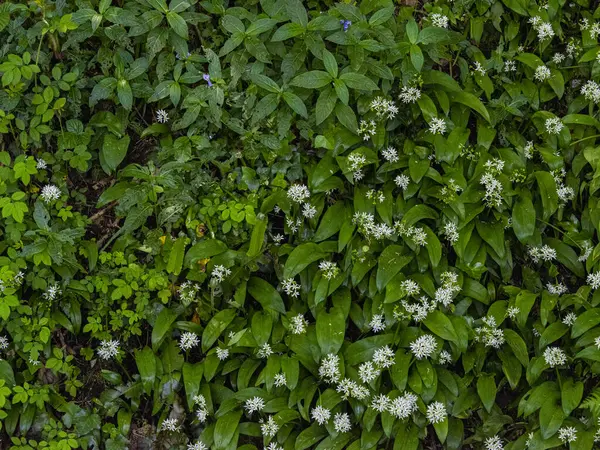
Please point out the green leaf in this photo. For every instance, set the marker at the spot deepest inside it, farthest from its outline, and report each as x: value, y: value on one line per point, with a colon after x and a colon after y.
x: 258, y: 237
x: 289, y: 30
x: 266, y: 295
x: 391, y: 261
x: 114, y: 151
x: 312, y: 80
x: 571, y: 395
x: 204, y: 249
x: 441, y: 430
x: 412, y: 31
x: 178, y: 24
x: 192, y: 376
x: 486, y: 388
x: 225, y: 429
x: 325, y: 104
x: 331, y: 65
x: 471, y: 101
x: 547, y: 187
x: 523, y: 217
x: 265, y: 82
x: 296, y: 103
x: 585, y: 322
x: 332, y: 221
x: 331, y: 329
x: 416, y: 57
x: 146, y: 364
x: 233, y: 24
x: 310, y: 436
x: 216, y: 326
x: 551, y: 419
x: 176, y: 256
x: 162, y: 325
x: 517, y: 345
x: 358, y: 81
x: 260, y: 26
x: 300, y: 258
x: 440, y: 325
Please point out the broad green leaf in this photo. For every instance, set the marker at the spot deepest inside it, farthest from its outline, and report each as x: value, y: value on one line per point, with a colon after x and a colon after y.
x: 176, y: 256
x: 216, y: 326
x: 266, y: 295
x: 331, y: 328
x: 301, y: 257
x: 146, y: 365
x: 486, y: 388
x: 162, y: 326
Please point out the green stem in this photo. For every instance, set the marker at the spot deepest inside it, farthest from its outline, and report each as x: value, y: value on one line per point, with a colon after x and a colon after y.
x: 584, y: 139
x: 560, y: 231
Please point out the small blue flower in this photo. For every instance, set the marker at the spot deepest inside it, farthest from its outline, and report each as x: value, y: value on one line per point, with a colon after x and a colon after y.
x: 206, y: 78
x: 346, y: 24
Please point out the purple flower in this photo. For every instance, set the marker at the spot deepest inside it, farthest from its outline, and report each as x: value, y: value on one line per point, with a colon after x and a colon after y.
x: 206, y: 78
x: 346, y: 24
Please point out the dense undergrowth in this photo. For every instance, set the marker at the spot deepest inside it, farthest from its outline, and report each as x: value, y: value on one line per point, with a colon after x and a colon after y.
x: 288, y: 225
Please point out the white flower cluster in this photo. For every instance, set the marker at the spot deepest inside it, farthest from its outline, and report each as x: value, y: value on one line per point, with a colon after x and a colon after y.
x: 544, y: 253
x: 367, y: 372
x: 424, y: 346
x: 384, y: 357
x: 329, y: 369
x: 222, y: 353
x: 350, y: 388
x: 402, y: 181
x: 436, y: 412
x: 309, y: 211
x: 356, y: 161
x: 445, y: 294
x: 558, y: 58
x: 445, y: 357
x: 367, y: 226
x: 493, y: 443
x: 320, y: 414
x: 437, y: 126
x: 390, y: 154
x: 280, y: 380
x: 108, y: 349
x: 264, y: 351
x: 409, y: 94
x: 298, y: 324
x: 169, y: 425
x: 591, y: 91
x: 219, y: 273
x: 489, y: 334
x: 544, y: 29
x: 341, y: 423
x: 383, y: 107
x: 270, y: 427
x: 439, y: 20
x: 187, y: 292
x: 587, y: 251
x: 403, y: 406
x: 528, y: 150
x: 52, y: 292
x: 512, y: 312
x: 50, y: 192
x: 567, y: 434
x: 254, y: 404
x: 556, y: 289
x: 593, y: 279
x: 376, y: 196
x: 417, y: 234
x: 162, y: 116
x: 418, y: 310
x: 542, y: 73
x: 569, y: 319
x: 188, y: 341
x: 293, y: 225
x: 290, y: 287
x: 377, y: 323
x: 554, y: 356
x: 493, y: 190
x: 554, y: 125
x: 202, y: 410
x: 197, y: 446
x: 510, y: 66
x: 367, y: 129
x: 298, y: 193
x: 451, y: 232
x: 330, y: 269
x: 3, y: 343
